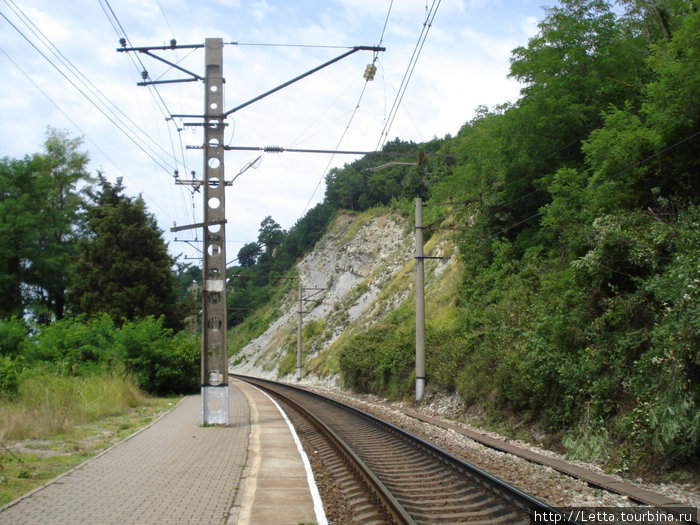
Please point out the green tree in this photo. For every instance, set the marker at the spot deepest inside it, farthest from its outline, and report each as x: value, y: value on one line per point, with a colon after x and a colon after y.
x: 270, y: 234
x: 123, y: 267
x: 248, y: 254
x: 41, y: 211
x: 19, y: 222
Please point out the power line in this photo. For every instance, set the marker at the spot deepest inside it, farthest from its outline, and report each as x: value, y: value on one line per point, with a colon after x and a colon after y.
x: 313, y: 46
x: 160, y: 102
x: 80, y: 78
x: 354, y: 112
x: 113, y: 118
x: 67, y: 116
x: 430, y: 17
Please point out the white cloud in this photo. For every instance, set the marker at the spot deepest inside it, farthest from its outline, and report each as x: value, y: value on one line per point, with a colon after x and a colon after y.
x: 464, y: 64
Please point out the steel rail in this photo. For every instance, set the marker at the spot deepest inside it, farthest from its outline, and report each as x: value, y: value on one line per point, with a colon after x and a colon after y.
x: 351, y: 460
x: 506, y: 491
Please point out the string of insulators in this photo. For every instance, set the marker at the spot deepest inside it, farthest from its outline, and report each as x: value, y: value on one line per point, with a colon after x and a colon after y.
x: 370, y: 71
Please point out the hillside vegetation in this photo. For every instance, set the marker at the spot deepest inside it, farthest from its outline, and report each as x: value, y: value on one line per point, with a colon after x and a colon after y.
x: 577, y: 307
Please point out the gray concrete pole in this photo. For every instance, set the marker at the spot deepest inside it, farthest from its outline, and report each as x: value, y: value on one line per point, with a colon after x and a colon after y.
x: 214, y: 352
x: 420, y: 303
x: 299, y: 320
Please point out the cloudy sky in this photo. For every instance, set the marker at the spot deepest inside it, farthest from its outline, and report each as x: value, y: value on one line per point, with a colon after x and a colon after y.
x: 61, y: 69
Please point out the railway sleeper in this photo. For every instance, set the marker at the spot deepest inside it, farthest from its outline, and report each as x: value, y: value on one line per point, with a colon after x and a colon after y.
x: 463, y: 496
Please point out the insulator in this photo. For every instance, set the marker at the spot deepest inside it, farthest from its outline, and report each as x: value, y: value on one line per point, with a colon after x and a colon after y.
x: 273, y: 149
x: 122, y: 41
x: 370, y: 71
x: 173, y: 43
x: 144, y: 74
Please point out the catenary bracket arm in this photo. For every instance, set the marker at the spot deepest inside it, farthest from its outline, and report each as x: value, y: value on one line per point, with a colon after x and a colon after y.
x: 310, y: 72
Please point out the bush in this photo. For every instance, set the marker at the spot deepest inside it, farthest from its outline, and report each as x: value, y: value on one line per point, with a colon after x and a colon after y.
x: 77, y: 344
x: 9, y: 375
x: 380, y: 360
x: 14, y: 334
x: 160, y: 362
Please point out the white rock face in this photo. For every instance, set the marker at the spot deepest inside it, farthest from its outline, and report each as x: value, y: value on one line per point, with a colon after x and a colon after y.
x: 370, y: 258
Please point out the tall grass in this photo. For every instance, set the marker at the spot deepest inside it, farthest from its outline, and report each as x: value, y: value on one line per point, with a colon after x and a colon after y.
x: 48, y: 403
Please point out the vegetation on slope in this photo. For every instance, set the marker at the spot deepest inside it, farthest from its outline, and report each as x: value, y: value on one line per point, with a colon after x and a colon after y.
x: 578, y: 307
x: 578, y: 304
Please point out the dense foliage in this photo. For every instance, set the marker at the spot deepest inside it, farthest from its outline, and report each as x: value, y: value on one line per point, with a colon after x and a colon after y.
x: 68, y: 249
x: 159, y: 361
x: 41, y: 208
x: 124, y: 267
x: 580, y: 299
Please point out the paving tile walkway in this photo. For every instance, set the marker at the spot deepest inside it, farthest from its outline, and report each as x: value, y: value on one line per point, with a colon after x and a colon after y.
x: 173, y: 472
x: 279, y: 488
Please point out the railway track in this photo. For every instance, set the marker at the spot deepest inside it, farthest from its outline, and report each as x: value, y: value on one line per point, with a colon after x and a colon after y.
x: 386, y: 475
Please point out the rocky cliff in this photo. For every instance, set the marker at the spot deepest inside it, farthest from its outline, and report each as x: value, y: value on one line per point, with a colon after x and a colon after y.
x: 360, y: 270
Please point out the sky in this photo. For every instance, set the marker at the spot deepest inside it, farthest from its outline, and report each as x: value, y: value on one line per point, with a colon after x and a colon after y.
x: 61, y: 69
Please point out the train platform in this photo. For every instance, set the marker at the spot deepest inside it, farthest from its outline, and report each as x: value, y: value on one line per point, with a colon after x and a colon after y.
x: 175, y: 471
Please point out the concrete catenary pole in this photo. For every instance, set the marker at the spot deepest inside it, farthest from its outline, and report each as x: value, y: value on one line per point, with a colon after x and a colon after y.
x: 299, y: 320
x: 420, y: 303
x: 214, y: 345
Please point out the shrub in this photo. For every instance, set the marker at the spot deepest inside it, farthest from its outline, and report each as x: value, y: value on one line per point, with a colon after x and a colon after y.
x: 160, y: 362
x: 14, y: 334
x: 380, y: 360
x: 9, y: 375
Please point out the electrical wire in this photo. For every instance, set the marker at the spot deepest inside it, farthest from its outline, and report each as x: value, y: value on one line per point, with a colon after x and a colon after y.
x: 92, y: 93
x: 160, y: 102
x: 79, y: 77
x: 430, y: 17
x: 113, y: 118
x: 286, y: 45
x: 352, y: 116
x: 67, y: 116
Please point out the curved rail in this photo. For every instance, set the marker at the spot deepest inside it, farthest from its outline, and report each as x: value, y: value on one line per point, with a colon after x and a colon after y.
x: 415, y: 481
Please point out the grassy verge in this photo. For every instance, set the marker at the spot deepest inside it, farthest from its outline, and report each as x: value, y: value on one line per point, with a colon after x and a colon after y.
x: 56, y: 422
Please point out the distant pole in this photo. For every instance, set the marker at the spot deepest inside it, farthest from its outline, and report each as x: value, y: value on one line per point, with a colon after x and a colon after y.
x: 420, y: 303
x: 299, y: 319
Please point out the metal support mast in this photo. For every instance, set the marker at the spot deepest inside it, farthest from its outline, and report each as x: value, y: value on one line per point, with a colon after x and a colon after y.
x: 214, y: 375
x: 420, y: 303
x: 420, y: 281
x: 214, y: 345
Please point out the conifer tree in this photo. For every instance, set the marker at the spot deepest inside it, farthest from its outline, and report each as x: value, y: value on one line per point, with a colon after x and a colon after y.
x: 123, y: 266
